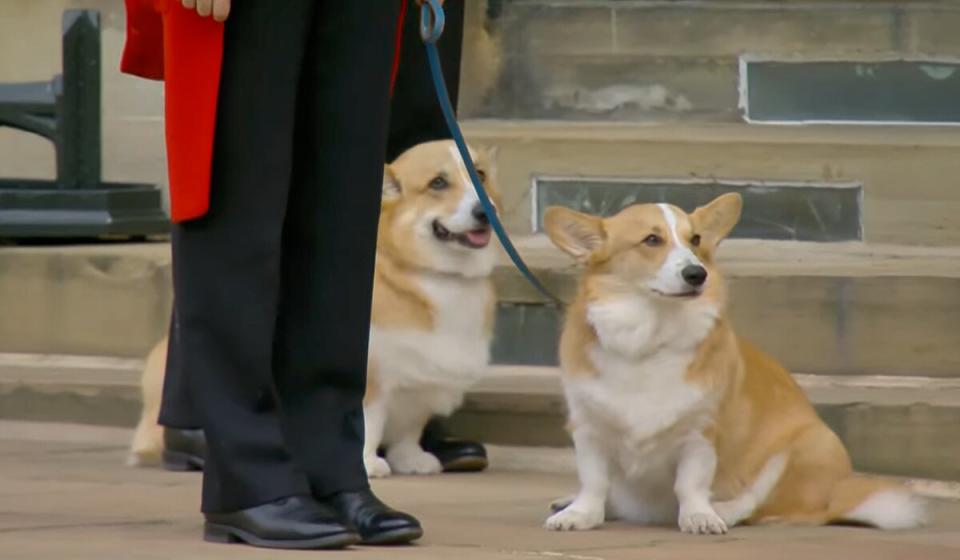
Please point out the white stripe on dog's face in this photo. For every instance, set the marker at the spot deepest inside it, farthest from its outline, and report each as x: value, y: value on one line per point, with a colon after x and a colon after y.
x: 669, y: 279
x: 462, y: 219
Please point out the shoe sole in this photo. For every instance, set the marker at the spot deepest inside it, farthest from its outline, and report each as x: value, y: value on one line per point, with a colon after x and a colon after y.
x: 182, y: 462
x: 225, y: 534
x: 466, y: 464
x: 397, y: 536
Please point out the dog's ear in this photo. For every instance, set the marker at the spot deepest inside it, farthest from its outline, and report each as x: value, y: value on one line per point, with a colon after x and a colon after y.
x: 579, y: 235
x: 486, y: 158
x: 716, y: 220
x: 391, y: 185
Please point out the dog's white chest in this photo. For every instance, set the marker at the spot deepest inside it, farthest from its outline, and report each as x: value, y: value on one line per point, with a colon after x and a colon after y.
x: 638, y: 399
x: 454, y: 353
x: 642, y: 412
x: 459, y: 304
x: 640, y: 402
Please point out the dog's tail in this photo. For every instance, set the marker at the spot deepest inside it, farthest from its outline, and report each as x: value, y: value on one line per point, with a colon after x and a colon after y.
x: 146, y: 447
x: 876, y: 502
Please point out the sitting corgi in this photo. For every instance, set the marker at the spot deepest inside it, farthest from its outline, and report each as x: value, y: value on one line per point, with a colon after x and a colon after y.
x: 674, y: 418
x: 433, y: 301
x: 433, y: 310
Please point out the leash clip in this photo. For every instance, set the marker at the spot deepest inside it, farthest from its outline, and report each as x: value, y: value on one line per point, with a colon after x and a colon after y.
x: 432, y: 20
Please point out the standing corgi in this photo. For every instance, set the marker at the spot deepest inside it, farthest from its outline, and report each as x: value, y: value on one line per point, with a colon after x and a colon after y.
x: 433, y: 310
x: 674, y: 418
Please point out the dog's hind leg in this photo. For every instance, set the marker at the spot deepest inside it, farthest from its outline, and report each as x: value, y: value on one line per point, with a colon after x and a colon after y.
x: 146, y: 447
x: 739, y: 509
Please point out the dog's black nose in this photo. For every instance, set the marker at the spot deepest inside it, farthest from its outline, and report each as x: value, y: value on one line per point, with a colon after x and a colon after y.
x: 479, y: 214
x: 694, y: 274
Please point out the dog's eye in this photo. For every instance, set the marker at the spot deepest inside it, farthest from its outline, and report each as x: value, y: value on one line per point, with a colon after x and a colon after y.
x: 653, y: 240
x: 439, y: 183
x: 482, y: 174
x: 695, y: 240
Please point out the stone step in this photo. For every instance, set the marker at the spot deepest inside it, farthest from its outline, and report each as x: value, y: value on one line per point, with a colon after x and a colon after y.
x: 830, y: 308
x: 617, y: 87
x: 907, y: 426
x: 95, y: 390
x: 634, y: 60
x: 102, y: 300
x: 904, y: 174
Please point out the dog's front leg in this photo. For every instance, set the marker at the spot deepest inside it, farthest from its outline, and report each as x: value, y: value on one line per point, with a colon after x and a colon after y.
x: 593, y: 467
x: 695, y: 471
x: 404, y: 452
x: 374, y: 420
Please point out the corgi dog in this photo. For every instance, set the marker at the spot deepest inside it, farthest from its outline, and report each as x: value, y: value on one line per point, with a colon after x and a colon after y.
x: 433, y: 301
x: 433, y: 309
x: 674, y: 418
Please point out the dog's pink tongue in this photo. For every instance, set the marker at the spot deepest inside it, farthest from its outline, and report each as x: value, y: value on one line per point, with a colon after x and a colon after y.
x: 478, y: 237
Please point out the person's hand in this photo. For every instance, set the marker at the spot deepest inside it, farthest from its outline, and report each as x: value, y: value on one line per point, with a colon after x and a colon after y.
x: 219, y: 9
x: 420, y: 2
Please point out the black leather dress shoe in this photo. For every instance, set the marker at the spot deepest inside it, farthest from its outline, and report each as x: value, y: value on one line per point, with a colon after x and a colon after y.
x: 296, y: 522
x: 376, y: 522
x: 456, y: 455
x: 184, y: 450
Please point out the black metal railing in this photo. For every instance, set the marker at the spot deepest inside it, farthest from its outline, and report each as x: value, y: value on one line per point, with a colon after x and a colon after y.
x: 66, y: 111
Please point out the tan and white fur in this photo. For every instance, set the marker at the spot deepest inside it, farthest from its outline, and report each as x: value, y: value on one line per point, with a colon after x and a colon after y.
x: 674, y: 418
x: 433, y: 302
x: 146, y: 448
x: 433, y: 310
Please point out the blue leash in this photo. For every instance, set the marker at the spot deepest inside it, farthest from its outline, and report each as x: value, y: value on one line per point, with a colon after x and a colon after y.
x: 431, y: 28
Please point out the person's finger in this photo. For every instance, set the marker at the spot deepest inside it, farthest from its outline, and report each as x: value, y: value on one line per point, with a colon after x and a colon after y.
x: 189, y: 4
x: 221, y: 9
x: 204, y: 7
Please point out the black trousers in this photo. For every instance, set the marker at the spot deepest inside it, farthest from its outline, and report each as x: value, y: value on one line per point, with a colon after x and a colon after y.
x: 273, y: 286
x: 415, y: 118
x: 415, y: 115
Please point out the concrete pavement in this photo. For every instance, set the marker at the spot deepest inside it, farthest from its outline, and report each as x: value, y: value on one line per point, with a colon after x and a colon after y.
x: 65, y: 494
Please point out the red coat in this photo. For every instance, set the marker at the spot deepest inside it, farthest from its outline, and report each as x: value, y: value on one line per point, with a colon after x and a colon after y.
x: 167, y: 42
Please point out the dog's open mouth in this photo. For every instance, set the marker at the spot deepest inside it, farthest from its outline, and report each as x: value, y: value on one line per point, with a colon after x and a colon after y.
x: 475, y: 238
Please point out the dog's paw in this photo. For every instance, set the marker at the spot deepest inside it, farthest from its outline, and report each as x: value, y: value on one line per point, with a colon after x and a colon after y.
x: 377, y: 467
x: 133, y: 460
x: 574, y: 520
x: 414, y: 462
x: 701, y: 522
